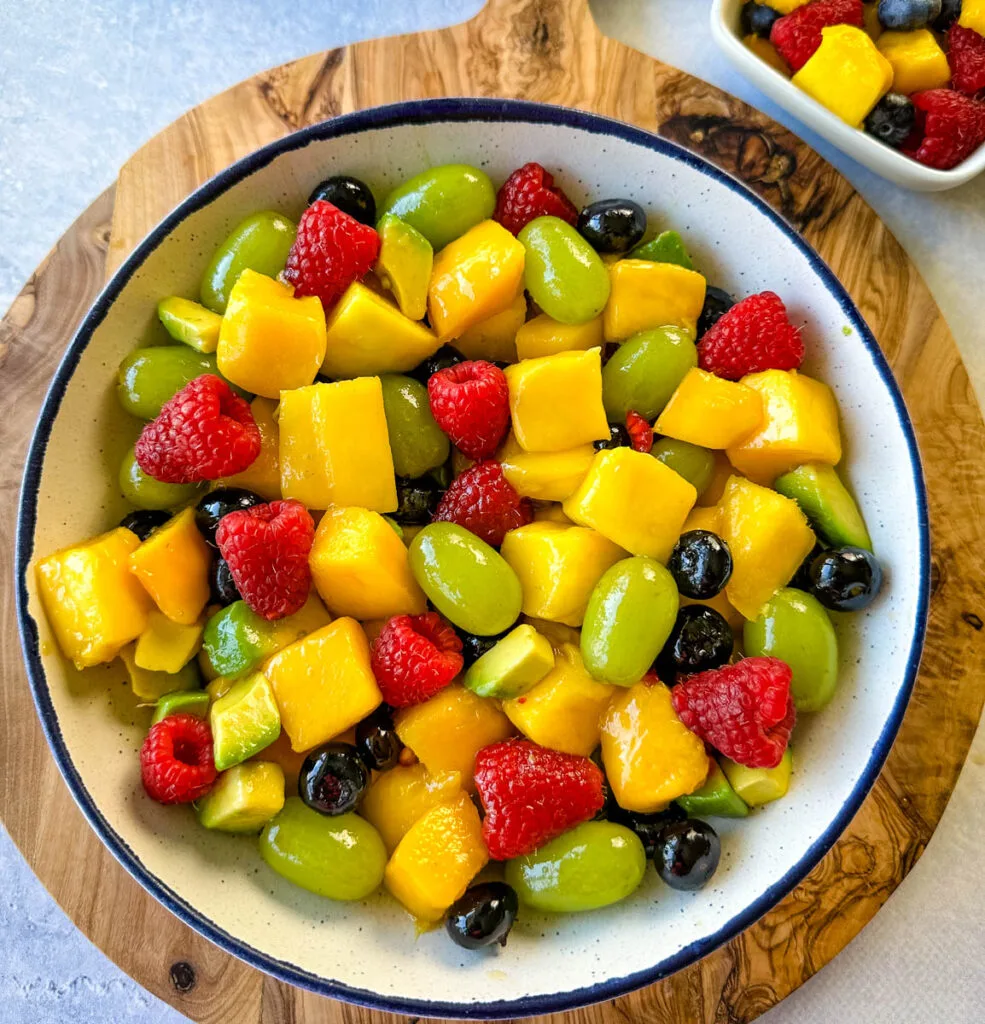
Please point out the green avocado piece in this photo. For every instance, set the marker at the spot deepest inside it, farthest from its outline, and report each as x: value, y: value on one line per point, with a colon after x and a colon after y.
x: 190, y: 323
x: 758, y: 786
x: 667, y: 247
x: 183, y: 702
x: 827, y: 503
x: 512, y: 666
x: 716, y: 798
x: 404, y: 264
x: 244, y: 721
x: 244, y: 798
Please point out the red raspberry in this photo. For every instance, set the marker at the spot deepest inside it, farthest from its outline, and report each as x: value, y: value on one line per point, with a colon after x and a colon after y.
x: 204, y: 432
x: 176, y: 762
x: 745, y: 711
x: 471, y: 403
x: 754, y: 335
x: 414, y: 657
x: 640, y: 432
x: 482, y: 500
x: 951, y: 127
x: 267, y: 549
x: 531, y: 795
x: 798, y: 34
x: 528, y: 193
x: 966, y: 55
x: 331, y: 251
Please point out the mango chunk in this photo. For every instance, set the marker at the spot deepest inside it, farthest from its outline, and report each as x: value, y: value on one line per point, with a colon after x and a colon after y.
x: 323, y: 683
x: 785, y: 6
x: 263, y: 474
x: 474, y: 277
x: 724, y: 470
x: 397, y: 798
x: 149, y: 685
x: 973, y: 15
x: 360, y: 567
x: 94, y: 605
x: 703, y: 519
x: 917, y: 59
x: 544, y: 336
x: 800, y: 424
x: 634, y: 500
x: 288, y: 760
x: 165, y: 645
x: 495, y: 338
x: 334, y: 446
x: 644, y: 294
x: 435, y: 861
x: 708, y: 411
x: 542, y: 421
x: 173, y: 566
x: 547, y: 476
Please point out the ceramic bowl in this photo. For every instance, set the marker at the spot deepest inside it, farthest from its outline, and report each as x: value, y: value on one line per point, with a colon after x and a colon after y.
x: 367, y: 952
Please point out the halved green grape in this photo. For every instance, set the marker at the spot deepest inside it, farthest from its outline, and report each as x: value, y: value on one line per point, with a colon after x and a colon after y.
x: 416, y: 441
x: 695, y: 464
x: 645, y: 370
x: 143, y: 491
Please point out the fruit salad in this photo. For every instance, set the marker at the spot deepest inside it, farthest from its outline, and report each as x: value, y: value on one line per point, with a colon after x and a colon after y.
x: 910, y: 73
x: 480, y: 550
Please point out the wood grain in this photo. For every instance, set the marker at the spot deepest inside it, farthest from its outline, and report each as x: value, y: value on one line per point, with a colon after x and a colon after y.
x: 543, y: 50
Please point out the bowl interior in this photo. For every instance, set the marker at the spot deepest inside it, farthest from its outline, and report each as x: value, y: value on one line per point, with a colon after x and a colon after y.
x: 367, y: 951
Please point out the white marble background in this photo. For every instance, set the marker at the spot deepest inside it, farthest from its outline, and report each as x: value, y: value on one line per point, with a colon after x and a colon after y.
x: 85, y: 82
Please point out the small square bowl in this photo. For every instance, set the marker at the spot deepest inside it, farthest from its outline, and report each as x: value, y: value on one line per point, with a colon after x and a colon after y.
x: 878, y: 157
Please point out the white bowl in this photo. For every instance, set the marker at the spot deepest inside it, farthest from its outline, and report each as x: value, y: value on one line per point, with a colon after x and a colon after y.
x: 878, y: 157
x: 367, y: 952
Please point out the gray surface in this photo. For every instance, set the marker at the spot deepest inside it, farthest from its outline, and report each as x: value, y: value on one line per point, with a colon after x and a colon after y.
x: 70, y: 114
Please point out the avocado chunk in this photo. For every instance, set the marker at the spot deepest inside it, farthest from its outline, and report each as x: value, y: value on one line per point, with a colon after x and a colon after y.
x: 244, y: 721
x: 404, y: 264
x: 715, y: 798
x: 244, y: 798
x: 758, y: 786
x: 827, y: 503
x: 667, y: 247
x: 148, y: 684
x: 512, y: 666
x: 184, y: 702
x: 190, y: 323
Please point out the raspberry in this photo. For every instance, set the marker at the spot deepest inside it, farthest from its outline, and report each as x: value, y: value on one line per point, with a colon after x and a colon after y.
x: 745, y: 711
x: 471, y: 403
x: 952, y: 127
x: 531, y: 795
x: 176, y: 762
x: 640, y: 432
x: 530, y: 192
x: 204, y: 432
x: 482, y: 500
x: 414, y: 657
x: 798, y: 34
x: 331, y: 251
x: 267, y: 549
x: 754, y: 335
x: 966, y: 55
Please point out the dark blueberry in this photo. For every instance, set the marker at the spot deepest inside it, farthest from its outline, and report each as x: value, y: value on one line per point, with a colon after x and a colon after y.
x: 219, y: 503
x: 687, y: 854
x: 717, y: 303
x: 416, y: 500
x: 701, y: 564
x: 221, y: 584
x: 757, y: 19
x: 612, y: 225
x: 699, y: 640
x: 483, y: 915
x: 333, y: 778
x: 350, y: 195
x: 377, y: 740
x: 445, y: 356
x: 648, y: 827
x: 473, y: 647
x: 802, y: 577
x: 950, y: 12
x: 892, y: 119
x: 618, y: 438
x: 845, y: 579
x: 144, y: 522
x: 908, y: 15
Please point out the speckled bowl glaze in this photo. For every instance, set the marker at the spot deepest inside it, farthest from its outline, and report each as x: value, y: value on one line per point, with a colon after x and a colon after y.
x: 367, y: 952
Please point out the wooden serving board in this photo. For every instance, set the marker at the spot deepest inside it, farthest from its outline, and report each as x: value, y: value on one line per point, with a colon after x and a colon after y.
x: 549, y: 51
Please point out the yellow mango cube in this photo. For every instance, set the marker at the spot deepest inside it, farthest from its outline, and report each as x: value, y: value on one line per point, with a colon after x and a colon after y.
x: 323, y: 683
x: 724, y: 470
x: 644, y: 294
x: 846, y: 74
x: 700, y: 518
x: 435, y: 861
x: 768, y: 536
x: 552, y: 513
x: 711, y: 412
x: 556, y: 401
x: 360, y: 567
x: 650, y: 756
x: 785, y: 6
x: 447, y: 731
x: 558, y: 567
x: 800, y: 424
x: 563, y: 711
x: 94, y: 605
x: 165, y: 645
x: 634, y: 500
x: 173, y: 565
x: 544, y: 336
x: 495, y: 337
x: 270, y: 341
x: 148, y: 685
x: 397, y: 798
x: 335, y: 448
x: 973, y: 15
x: 263, y: 474
x: 366, y: 334
x: 547, y: 476
x: 916, y: 57
x: 474, y: 277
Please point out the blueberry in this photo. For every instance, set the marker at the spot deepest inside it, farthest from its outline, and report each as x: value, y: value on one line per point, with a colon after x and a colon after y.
x: 892, y: 119
x: 221, y: 584
x: 445, y: 356
x: 219, y: 503
x: 350, y: 195
x: 700, y: 639
x: 687, y: 854
x: 333, y: 778
x: 144, y: 522
x: 612, y: 225
x: 648, y: 827
x: 950, y: 12
x: 802, y: 577
x: 483, y: 915
x: 845, y: 579
x: 377, y: 740
x: 717, y: 303
x: 416, y: 500
x: 701, y: 564
x: 757, y: 19
x: 473, y: 647
x: 908, y: 15
x: 618, y: 438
